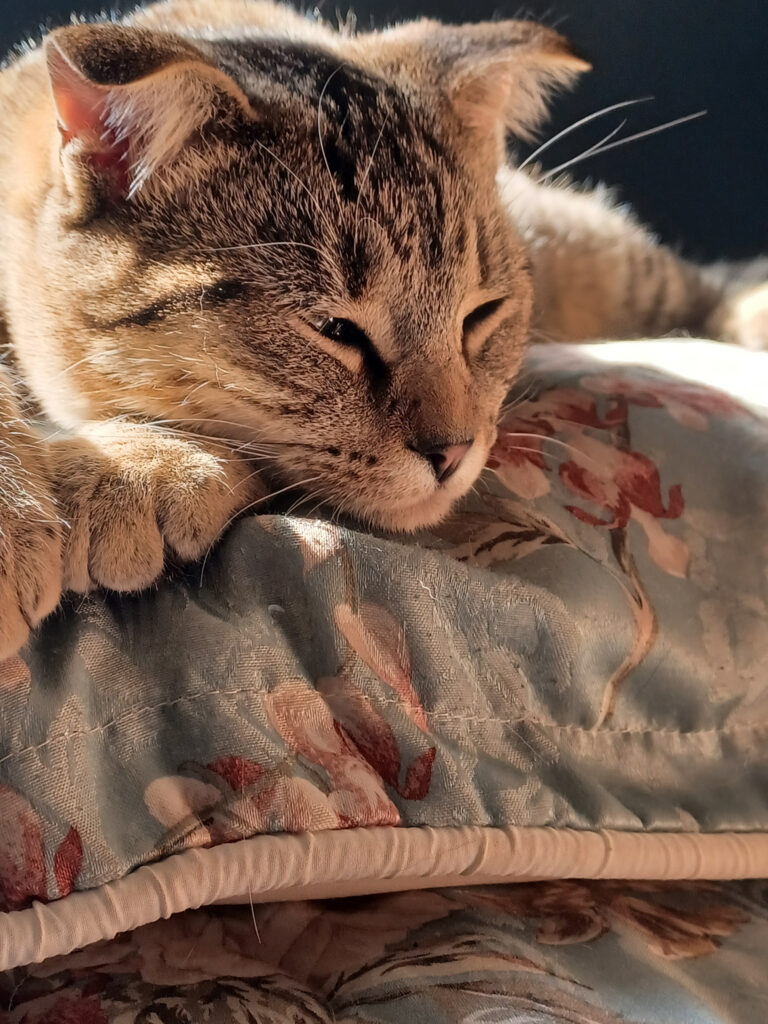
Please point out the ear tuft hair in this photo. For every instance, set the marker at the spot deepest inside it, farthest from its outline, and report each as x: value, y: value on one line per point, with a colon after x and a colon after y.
x: 129, y: 99
x: 497, y: 76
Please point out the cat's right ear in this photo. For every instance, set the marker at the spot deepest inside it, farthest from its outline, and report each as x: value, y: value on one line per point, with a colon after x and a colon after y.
x: 128, y: 102
x: 497, y: 77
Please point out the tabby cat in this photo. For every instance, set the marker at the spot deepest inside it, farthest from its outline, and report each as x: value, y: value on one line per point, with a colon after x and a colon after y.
x: 244, y: 252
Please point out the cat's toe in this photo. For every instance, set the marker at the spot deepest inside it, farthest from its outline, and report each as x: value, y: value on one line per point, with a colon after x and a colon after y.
x: 196, y: 502
x: 133, y: 495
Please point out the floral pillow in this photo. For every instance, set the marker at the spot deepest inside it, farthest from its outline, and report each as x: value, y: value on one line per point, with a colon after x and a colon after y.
x: 570, y: 675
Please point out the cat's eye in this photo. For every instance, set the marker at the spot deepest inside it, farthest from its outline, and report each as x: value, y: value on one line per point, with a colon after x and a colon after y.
x: 352, y: 345
x: 478, y: 325
x: 344, y: 332
x: 480, y: 315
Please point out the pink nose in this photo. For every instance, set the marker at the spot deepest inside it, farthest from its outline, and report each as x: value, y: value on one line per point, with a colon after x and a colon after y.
x: 444, y: 458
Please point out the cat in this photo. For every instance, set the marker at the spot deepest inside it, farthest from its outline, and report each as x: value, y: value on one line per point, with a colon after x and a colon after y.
x: 244, y: 252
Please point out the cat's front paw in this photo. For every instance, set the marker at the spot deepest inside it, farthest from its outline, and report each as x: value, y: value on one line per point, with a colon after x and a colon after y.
x: 30, y: 540
x: 134, y: 494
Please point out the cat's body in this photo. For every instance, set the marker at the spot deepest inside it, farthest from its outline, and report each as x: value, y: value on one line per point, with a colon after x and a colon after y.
x: 244, y: 252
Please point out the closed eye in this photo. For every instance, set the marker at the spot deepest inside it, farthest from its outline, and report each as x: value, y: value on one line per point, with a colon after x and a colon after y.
x: 352, y: 338
x: 482, y: 313
x: 199, y: 299
x: 344, y: 332
x: 478, y: 325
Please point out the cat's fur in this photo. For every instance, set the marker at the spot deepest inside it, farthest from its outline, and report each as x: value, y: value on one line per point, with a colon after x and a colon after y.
x: 186, y: 196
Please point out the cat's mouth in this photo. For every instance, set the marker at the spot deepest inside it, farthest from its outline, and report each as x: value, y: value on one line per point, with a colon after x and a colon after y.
x: 398, y: 493
x: 409, y: 514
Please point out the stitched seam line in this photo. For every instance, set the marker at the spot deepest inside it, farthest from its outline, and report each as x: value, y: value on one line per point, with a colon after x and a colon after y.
x: 431, y: 716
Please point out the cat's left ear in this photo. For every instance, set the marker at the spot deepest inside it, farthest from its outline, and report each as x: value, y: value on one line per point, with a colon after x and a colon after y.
x: 497, y: 76
x: 128, y: 101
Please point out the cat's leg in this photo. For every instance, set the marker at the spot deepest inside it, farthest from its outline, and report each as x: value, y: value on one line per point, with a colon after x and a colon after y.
x: 30, y: 529
x: 599, y: 274
x: 133, y: 494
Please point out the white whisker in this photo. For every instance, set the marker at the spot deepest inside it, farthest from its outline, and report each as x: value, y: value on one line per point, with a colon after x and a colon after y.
x: 248, y: 508
x: 577, y: 124
x: 555, y: 440
x: 270, y: 245
x: 328, y: 81
x: 365, y: 178
x: 621, y: 142
x: 295, y: 176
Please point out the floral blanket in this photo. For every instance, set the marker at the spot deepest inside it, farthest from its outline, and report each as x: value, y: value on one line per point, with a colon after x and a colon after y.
x: 547, y: 953
x: 568, y: 680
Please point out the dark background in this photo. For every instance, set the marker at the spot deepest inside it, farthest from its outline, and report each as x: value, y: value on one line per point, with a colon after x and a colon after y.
x: 702, y: 185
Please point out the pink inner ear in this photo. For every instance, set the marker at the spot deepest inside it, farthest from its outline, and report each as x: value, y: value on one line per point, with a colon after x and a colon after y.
x: 82, y: 109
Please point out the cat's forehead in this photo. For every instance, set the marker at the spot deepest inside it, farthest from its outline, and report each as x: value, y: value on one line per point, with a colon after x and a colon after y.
x: 337, y: 160
x: 271, y: 71
x: 360, y: 130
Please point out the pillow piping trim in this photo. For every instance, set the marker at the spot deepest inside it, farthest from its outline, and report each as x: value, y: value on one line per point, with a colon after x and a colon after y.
x: 359, y: 861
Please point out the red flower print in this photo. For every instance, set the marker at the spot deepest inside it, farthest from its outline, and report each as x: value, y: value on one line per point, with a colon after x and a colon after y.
x: 239, y: 772
x: 519, y: 462
x: 22, y: 856
x: 306, y: 723
x: 374, y: 738
x: 67, y: 862
x: 688, y: 403
x: 419, y: 776
x: 624, y: 484
x: 561, y: 407
x: 635, y: 482
x: 379, y: 641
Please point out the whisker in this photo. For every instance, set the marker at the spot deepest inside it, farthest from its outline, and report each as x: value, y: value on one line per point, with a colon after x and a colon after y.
x: 306, y: 498
x: 577, y: 124
x: 556, y: 440
x: 527, y: 451
x: 328, y: 81
x: 527, y: 393
x: 295, y: 176
x: 195, y: 389
x: 621, y: 142
x: 270, y: 245
x: 365, y: 178
x: 594, y: 148
x: 316, y: 507
x: 247, y: 508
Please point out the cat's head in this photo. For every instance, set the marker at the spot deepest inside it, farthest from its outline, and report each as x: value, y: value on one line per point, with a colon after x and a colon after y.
x: 295, y: 241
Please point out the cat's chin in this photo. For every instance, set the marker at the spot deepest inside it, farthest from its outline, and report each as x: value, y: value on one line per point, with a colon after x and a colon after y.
x: 422, y: 514
x: 408, y: 519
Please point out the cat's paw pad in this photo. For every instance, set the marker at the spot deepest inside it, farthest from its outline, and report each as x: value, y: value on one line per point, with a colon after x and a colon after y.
x: 133, y: 495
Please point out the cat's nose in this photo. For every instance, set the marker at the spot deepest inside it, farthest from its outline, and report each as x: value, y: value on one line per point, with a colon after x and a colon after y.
x: 445, y: 457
